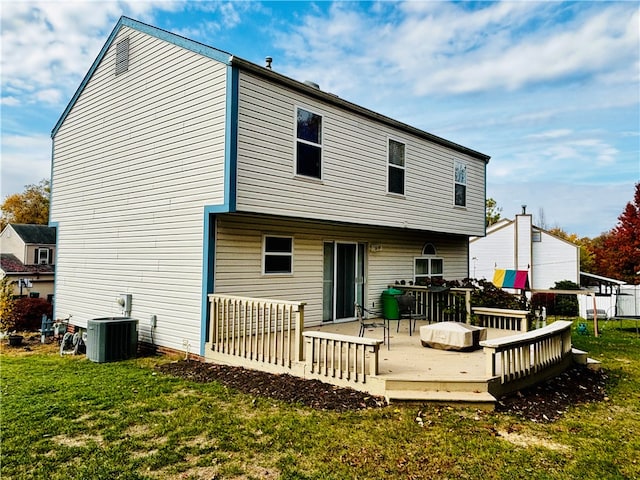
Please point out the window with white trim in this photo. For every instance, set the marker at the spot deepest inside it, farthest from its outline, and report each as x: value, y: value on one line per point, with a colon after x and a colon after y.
x: 42, y: 256
x: 308, y: 144
x: 396, y: 169
x: 277, y: 255
x: 427, y: 268
x: 460, y: 179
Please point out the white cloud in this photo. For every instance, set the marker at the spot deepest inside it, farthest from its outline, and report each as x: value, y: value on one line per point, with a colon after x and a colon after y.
x: 10, y: 101
x: 435, y: 47
x: 550, y: 134
x: 48, y: 46
x: 25, y: 160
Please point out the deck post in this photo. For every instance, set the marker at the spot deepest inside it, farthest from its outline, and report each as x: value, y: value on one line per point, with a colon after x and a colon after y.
x: 373, y: 360
x: 467, y: 305
x: 299, y: 346
x: 490, y: 359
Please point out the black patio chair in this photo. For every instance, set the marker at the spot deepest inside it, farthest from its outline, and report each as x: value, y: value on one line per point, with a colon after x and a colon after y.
x: 368, y: 319
x: 407, y: 307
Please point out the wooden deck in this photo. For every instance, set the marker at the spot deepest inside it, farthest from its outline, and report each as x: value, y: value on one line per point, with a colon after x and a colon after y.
x: 416, y: 373
x: 269, y: 335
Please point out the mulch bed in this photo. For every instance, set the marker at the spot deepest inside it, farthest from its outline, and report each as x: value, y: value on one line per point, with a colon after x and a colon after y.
x: 545, y: 402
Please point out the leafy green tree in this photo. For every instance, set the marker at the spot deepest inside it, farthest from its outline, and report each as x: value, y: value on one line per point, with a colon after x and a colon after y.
x: 492, y: 212
x: 30, y: 206
x: 586, y: 244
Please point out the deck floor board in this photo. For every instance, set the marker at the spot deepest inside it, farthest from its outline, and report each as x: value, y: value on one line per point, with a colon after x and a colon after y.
x: 407, y: 359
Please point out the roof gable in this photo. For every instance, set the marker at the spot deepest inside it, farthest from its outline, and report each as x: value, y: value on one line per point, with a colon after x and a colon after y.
x: 173, y: 38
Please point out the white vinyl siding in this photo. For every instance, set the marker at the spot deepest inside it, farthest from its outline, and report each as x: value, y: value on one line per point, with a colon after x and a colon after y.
x: 239, y: 245
x: 135, y: 162
x: 554, y: 260
x: 510, y: 246
x: 354, y: 168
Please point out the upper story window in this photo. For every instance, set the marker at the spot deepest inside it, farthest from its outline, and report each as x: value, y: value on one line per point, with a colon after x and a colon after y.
x: 277, y: 255
x: 395, y: 182
x: 308, y: 144
x: 122, y: 56
x: 460, y: 178
x: 42, y: 256
x: 536, y: 236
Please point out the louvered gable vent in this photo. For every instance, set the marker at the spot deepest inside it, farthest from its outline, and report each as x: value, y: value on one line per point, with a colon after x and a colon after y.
x: 122, y: 56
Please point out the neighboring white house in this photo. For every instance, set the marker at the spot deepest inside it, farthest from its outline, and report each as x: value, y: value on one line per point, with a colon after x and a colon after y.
x: 519, y: 245
x: 180, y: 170
x: 27, y: 257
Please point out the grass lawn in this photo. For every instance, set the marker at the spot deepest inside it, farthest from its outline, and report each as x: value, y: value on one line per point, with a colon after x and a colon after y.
x: 69, y: 418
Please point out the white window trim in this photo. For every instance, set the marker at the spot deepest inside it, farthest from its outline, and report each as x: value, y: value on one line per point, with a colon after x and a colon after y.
x: 430, y: 275
x: 466, y: 183
x: 404, y: 167
x: 265, y: 253
x: 46, y: 260
x: 296, y: 140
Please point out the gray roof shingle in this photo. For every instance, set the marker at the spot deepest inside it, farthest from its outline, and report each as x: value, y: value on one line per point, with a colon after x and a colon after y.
x: 35, y: 234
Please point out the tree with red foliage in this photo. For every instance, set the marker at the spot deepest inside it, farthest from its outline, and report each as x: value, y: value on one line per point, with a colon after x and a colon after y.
x: 618, y: 255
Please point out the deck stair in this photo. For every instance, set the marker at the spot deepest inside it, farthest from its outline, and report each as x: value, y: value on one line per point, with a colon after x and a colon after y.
x: 459, y: 392
x: 581, y: 358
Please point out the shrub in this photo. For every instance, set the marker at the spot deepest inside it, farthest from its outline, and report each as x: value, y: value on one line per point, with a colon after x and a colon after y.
x: 27, y: 313
x: 566, y: 304
x: 7, y: 304
x: 486, y: 294
x: 558, y: 303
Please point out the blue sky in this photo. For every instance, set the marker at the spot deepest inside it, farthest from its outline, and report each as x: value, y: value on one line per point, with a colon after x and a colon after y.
x: 550, y: 90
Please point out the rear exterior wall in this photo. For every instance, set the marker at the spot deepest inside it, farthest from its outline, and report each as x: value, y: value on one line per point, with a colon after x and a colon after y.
x: 134, y: 163
x: 239, y: 258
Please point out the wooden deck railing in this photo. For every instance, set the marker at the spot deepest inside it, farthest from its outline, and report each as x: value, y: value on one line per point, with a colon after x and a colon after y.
x: 450, y: 305
x: 500, y: 318
x: 262, y: 330
x: 341, y: 356
x: 529, y: 356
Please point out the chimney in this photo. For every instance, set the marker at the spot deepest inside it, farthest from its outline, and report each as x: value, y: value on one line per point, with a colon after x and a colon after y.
x: 524, y: 209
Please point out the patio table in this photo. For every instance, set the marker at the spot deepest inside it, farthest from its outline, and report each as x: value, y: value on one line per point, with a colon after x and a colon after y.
x: 452, y: 336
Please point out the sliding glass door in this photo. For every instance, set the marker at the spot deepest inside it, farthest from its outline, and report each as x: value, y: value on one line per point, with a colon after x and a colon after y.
x: 344, y: 270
